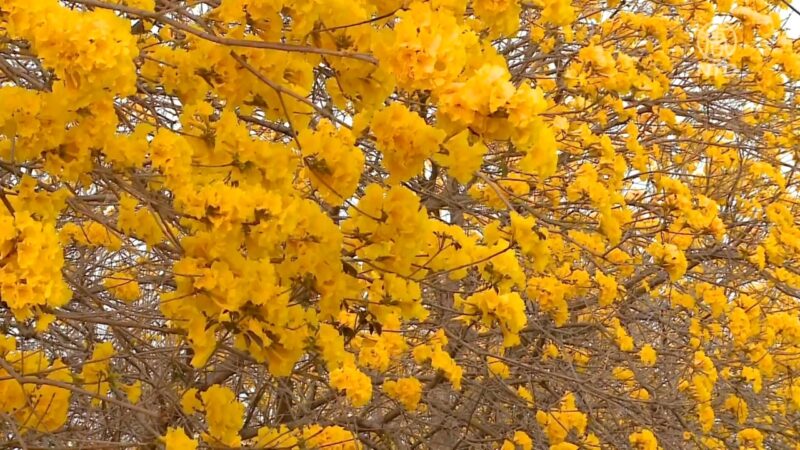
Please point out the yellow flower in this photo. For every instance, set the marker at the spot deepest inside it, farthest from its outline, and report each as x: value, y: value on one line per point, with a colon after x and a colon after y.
x: 520, y: 441
x: 356, y: 385
x: 44, y: 321
x: 407, y: 391
x: 133, y: 391
x: 190, y: 402
x: 498, y: 367
x: 224, y: 415
x: 525, y: 394
x: 508, y: 310
x: 334, y: 162
x: 750, y: 438
x: 559, y: 423
x: 176, y: 439
x: 462, y: 158
x: 671, y: 257
x: 737, y: 406
x: 608, y: 289
x: 643, y: 440
x: 564, y: 446
x: 123, y: 285
x: 333, y: 438
x: 648, y: 355
x: 503, y: 16
x: 558, y: 12
x: 140, y: 223
x: 427, y: 48
x: 405, y: 140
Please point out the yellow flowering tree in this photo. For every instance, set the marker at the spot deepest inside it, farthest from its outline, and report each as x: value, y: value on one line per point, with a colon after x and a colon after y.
x: 397, y: 224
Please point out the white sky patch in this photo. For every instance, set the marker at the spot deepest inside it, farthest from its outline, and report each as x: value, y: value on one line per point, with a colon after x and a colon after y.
x: 792, y: 20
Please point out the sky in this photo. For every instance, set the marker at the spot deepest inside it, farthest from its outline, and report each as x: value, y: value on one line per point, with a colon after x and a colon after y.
x: 793, y: 22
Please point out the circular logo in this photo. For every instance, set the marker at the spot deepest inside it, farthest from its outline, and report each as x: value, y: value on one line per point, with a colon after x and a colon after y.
x: 716, y: 41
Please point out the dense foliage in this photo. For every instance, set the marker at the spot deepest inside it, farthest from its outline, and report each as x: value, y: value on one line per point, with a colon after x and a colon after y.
x: 399, y: 224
